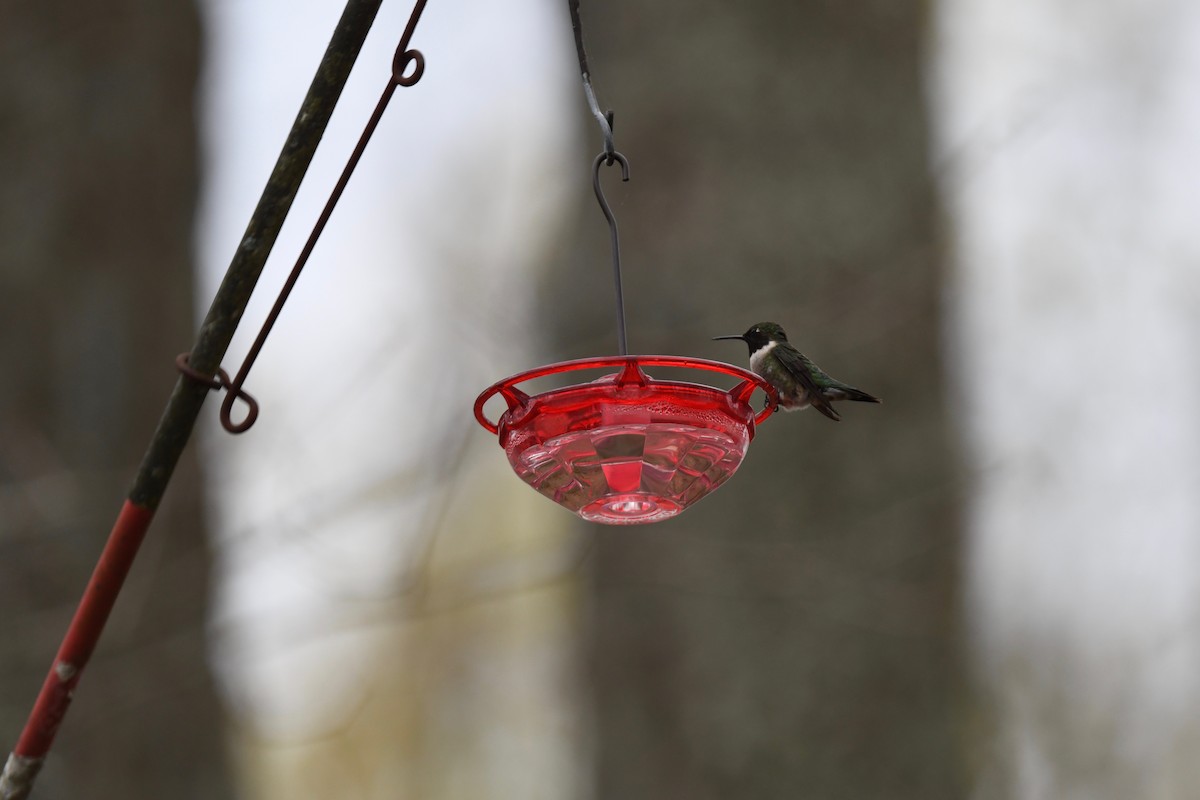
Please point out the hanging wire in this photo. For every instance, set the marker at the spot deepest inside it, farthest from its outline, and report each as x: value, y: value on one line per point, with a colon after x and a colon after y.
x: 622, y: 345
x: 608, y: 156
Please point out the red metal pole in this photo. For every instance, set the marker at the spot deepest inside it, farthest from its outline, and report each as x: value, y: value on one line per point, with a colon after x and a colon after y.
x: 82, y: 635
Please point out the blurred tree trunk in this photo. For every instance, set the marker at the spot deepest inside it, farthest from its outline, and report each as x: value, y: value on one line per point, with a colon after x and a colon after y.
x: 1071, y: 177
x: 97, y: 150
x: 796, y: 634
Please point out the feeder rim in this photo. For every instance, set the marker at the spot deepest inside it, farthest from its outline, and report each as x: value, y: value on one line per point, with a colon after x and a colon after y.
x: 750, y: 380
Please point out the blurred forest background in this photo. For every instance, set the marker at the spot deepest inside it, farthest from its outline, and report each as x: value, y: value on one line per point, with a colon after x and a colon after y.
x: 802, y: 633
x: 99, y: 165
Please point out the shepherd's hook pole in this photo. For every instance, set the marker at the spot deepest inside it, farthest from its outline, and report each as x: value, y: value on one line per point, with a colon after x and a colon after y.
x: 179, y: 417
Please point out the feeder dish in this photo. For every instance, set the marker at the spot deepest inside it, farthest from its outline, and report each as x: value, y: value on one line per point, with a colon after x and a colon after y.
x: 627, y: 449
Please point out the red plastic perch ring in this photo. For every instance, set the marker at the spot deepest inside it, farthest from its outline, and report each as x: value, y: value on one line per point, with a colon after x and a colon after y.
x: 627, y: 449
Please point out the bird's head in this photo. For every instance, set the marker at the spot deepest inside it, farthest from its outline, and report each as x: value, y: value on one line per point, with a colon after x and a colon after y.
x: 759, y: 335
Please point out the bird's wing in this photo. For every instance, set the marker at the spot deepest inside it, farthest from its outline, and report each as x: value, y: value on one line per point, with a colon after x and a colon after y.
x: 802, y: 370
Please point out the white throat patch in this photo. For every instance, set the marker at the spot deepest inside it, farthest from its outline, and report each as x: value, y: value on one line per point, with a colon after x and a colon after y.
x: 758, y: 355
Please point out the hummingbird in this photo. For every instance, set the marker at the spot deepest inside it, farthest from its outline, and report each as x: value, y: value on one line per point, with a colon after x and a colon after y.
x: 798, y: 380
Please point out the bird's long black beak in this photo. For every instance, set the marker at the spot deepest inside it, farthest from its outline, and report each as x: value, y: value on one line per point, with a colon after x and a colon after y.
x: 739, y: 336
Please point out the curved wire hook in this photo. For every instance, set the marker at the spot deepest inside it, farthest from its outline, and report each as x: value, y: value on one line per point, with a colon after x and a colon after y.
x: 404, y: 57
x: 233, y: 393
x: 609, y: 157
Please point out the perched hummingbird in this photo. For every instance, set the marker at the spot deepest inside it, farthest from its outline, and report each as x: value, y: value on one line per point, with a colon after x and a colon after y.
x: 799, y: 381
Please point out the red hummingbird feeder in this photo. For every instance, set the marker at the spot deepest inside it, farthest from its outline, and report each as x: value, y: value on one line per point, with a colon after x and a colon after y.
x: 626, y: 448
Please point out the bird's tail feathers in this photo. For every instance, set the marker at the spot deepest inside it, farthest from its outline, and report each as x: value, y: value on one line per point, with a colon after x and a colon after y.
x: 844, y: 392
x: 823, y: 405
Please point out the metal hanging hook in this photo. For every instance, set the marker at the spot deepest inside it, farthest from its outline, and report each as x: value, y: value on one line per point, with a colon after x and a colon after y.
x: 608, y: 156
x: 614, y: 237
x: 233, y: 394
x: 404, y: 56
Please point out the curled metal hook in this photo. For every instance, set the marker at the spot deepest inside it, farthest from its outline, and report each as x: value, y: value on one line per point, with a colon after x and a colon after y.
x: 401, y: 63
x: 233, y: 389
x: 602, y: 159
x: 232, y: 396
x: 404, y: 56
x: 609, y: 158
